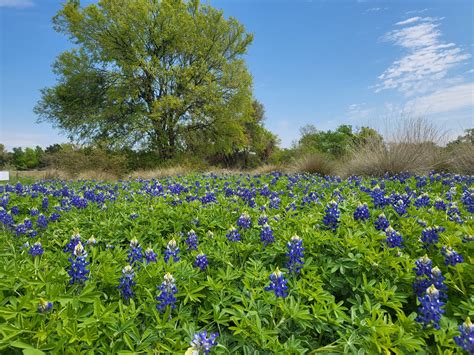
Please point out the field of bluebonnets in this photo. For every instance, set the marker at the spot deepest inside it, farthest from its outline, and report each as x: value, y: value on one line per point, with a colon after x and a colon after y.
x: 238, y: 264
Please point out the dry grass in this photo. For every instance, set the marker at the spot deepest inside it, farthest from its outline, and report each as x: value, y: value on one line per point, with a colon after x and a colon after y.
x: 313, y: 163
x: 161, y: 172
x: 461, y: 159
x: 412, y: 148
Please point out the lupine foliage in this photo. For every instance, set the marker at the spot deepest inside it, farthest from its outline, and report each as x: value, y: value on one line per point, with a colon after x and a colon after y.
x: 348, y: 283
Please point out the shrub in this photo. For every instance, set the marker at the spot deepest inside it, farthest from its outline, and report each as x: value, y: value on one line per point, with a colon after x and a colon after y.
x: 314, y: 163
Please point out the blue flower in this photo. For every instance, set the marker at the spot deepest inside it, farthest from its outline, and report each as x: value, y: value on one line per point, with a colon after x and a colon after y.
x: 381, y: 223
x: 278, y: 284
x: 172, y: 250
x: 262, y: 220
x: 439, y: 204
x: 429, y: 311
x: 126, y: 282
x: 201, y: 261
x: 244, y: 221
x: 135, y: 253
x: 400, y: 207
x: 430, y: 235
x: 451, y: 256
x: 78, y: 271
x: 167, y: 290
x: 454, y: 214
x: 150, y: 256
x: 266, y: 235
x: 393, y: 238
x: 423, y: 266
x: 362, y: 212
x: 44, y: 306
x: 295, y: 253
x: 75, y: 239
x: 42, y: 221
x: 331, y: 218
x: 201, y: 343
x: 192, y: 240
x: 422, y: 201
x: 466, y: 339
x: 36, y: 249
x: 45, y: 203
x: 233, y: 234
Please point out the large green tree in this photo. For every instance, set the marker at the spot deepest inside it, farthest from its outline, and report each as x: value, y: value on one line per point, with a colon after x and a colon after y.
x: 147, y: 73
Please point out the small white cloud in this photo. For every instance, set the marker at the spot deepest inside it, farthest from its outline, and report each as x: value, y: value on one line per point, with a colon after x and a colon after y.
x: 427, y: 60
x: 444, y: 100
x: 359, y: 111
x: 17, y: 4
x: 416, y: 11
x: 408, y: 21
x: 376, y: 9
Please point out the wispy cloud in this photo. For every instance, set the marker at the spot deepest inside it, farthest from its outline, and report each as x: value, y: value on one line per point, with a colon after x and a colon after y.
x: 17, y: 4
x: 427, y: 60
x: 411, y: 12
x: 445, y: 100
x: 359, y: 111
x: 376, y: 9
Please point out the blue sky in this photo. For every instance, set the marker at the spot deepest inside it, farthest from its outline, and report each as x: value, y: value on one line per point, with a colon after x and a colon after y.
x: 315, y: 62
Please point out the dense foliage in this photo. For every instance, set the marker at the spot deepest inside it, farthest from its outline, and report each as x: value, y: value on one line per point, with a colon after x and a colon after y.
x: 236, y: 264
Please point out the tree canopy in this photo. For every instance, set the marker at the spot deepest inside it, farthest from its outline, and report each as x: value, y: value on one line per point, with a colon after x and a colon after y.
x: 150, y: 74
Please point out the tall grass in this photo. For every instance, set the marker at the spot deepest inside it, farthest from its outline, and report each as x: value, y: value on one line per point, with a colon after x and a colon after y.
x: 413, y: 146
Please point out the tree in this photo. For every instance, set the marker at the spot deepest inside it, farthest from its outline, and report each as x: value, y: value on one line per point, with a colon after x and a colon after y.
x: 333, y: 143
x: 467, y: 138
x: 147, y: 73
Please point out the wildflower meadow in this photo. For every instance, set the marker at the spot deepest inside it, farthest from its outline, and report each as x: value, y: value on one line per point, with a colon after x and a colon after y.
x: 269, y: 263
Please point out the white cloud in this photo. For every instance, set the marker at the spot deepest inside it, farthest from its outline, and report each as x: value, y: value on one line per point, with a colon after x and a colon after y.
x: 376, y: 9
x: 18, y: 4
x: 408, y: 21
x: 427, y: 59
x: 416, y: 11
x: 445, y: 100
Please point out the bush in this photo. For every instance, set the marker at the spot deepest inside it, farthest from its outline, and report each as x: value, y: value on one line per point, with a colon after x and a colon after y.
x: 314, y: 163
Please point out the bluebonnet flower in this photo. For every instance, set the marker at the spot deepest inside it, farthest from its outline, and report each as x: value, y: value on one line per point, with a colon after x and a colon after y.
x: 172, y: 250
x: 439, y: 204
x: 453, y: 213
x: 451, y: 256
x: 466, y: 339
x: 210, y: 234
x: 467, y: 200
x: 45, y: 203
x: 437, y: 279
x: 266, y: 235
x: 378, y: 197
x: 295, y: 253
x: 36, y: 249
x: 134, y: 216
x: 278, y: 284
x: 429, y: 311
x: 201, y: 261
x: 167, y: 295
x: 381, y: 223
x: 233, y: 234
x: 135, y: 253
x: 192, y: 240
x: 331, y: 218
x: 362, y: 212
x: 44, y: 306
x: 42, y: 222
x: 150, y: 256
x: 126, y: 282
x: 15, y: 210
x: 91, y: 241
x: 21, y: 229
x: 393, y: 238
x: 244, y: 221
x: 75, y: 239
x: 423, y: 266
x: 201, y: 343
x: 430, y: 235
x: 54, y: 217
x: 28, y: 224
x: 34, y: 212
x: 275, y: 203
x: 400, y: 207
x: 78, y: 271
x: 422, y: 201
x: 262, y: 220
